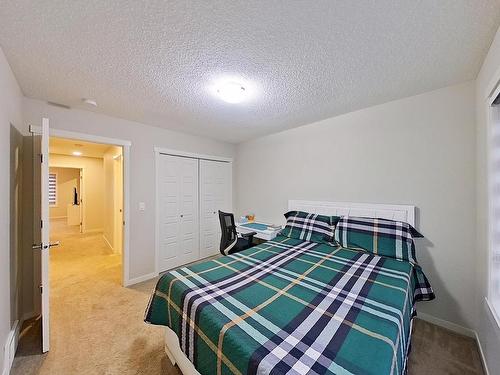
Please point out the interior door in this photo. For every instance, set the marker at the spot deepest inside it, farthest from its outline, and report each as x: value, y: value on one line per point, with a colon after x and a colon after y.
x: 80, y: 199
x: 178, y: 211
x: 118, y: 204
x: 215, y: 195
x: 41, y: 225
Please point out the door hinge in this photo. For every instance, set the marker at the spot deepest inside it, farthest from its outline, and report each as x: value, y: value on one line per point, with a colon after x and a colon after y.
x: 41, y: 158
x: 41, y: 289
x: 41, y: 223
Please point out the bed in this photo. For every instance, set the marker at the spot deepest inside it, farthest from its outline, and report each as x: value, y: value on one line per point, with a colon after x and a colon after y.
x: 293, y: 306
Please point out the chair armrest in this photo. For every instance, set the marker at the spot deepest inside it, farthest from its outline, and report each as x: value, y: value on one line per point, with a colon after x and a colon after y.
x: 250, y: 234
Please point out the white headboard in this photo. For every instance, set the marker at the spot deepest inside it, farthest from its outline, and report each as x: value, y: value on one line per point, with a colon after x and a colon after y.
x: 385, y: 211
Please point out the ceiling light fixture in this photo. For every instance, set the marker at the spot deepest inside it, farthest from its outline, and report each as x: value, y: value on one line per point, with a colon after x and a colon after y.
x: 232, y: 92
x: 77, y: 153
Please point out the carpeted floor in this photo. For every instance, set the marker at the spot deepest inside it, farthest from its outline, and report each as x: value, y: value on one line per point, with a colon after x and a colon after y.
x: 97, y: 325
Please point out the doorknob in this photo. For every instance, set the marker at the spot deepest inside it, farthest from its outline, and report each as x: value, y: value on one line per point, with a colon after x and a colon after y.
x: 43, y: 247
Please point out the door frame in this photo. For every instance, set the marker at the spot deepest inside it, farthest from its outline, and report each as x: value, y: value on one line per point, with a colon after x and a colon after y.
x: 167, y: 151
x: 493, y: 93
x: 125, y: 144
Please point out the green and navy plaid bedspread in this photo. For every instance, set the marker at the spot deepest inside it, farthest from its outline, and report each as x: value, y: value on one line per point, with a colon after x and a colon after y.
x: 290, y: 306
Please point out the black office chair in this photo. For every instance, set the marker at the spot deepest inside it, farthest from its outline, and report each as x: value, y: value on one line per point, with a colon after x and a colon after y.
x: 230, y: 242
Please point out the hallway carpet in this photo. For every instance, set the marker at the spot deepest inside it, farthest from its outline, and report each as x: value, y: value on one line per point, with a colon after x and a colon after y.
x: 97, y: 326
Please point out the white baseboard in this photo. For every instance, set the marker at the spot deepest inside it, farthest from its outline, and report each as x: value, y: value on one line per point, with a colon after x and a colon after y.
x: 98, y: 230
x: 447, y: 324
x: 107, y: 242
x: 481, y: 353
x: 140, y: 279
x: 11, y: 347
x: 458, y: 329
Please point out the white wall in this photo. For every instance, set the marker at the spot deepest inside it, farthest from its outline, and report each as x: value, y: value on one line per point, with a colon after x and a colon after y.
x: 418, y: 150
x: 93, y: 187
x: 486, y: 327
x: 142, y: 169
x: 111, y: 192
x: 10, y: 114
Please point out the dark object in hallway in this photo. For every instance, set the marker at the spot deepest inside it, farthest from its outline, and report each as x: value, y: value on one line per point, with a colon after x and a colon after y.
x: 75, y: 197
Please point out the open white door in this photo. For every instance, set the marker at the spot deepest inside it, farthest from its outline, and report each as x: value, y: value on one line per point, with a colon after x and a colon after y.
x: 41, y: 224
x: 80, y: 199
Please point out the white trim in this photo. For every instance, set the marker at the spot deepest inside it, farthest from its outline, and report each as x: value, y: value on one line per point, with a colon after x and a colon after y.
x: 457, y: 329
x: 140, y: 279
x: 492, y: 311
x: 493, y: 85
x: 107, y: 242
x: 11, y: 347
x: 168, y: 151
x: 96, y: 230
x: 481, y: 354
x: 447, y: 324
x: 126, y: 186
x: 157, y: 211
x: 386, y: 211
x: 495, y: 91
x: 125, y: 251
x: 82, y: 136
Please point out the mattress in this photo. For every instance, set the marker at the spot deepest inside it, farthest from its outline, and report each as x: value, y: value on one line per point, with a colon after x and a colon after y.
x: 289, y: 306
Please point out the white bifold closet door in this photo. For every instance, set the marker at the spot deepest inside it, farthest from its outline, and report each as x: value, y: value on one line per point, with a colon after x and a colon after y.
x: 178, y: 211
x: 215, y: 195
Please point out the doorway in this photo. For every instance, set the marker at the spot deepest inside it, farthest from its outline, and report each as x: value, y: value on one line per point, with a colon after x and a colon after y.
x: 83, y: 255
x: 86, y: 209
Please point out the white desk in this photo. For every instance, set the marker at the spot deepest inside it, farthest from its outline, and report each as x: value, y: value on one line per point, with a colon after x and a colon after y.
x: 263, y: 234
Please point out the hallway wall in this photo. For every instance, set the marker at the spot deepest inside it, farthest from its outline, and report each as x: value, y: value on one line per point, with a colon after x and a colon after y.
x: 93, y: 187
x: 112, y: 188
x: 16, y: 193
x: 10, y: 115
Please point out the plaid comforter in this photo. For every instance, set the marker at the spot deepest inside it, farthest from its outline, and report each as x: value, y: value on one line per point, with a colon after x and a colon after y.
x: 291, y: 306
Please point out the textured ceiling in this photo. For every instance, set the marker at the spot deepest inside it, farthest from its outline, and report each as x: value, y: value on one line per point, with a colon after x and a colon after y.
x: 155, y: 62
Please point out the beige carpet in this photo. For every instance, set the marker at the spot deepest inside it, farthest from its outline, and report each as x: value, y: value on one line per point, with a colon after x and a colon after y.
x: 97, y: 326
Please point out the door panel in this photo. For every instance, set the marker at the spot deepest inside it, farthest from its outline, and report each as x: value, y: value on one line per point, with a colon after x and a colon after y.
x: 41, y: 245
x: 215, y: 195
x: 178, y: 211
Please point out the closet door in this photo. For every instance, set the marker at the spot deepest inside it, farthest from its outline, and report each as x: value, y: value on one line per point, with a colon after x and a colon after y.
x: 178, y: 211
x: 215, y: 195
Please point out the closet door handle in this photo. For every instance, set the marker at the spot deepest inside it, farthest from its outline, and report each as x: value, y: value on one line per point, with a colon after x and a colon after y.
x: 182, y: 215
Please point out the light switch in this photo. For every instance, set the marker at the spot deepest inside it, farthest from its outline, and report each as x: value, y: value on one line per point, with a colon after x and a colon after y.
x: 142, y: 206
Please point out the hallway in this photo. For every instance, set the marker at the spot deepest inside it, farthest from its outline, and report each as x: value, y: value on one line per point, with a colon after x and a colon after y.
x: 96, y: 325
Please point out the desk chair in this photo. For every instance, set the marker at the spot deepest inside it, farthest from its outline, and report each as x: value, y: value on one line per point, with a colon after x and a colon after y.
x: 230, y: 242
